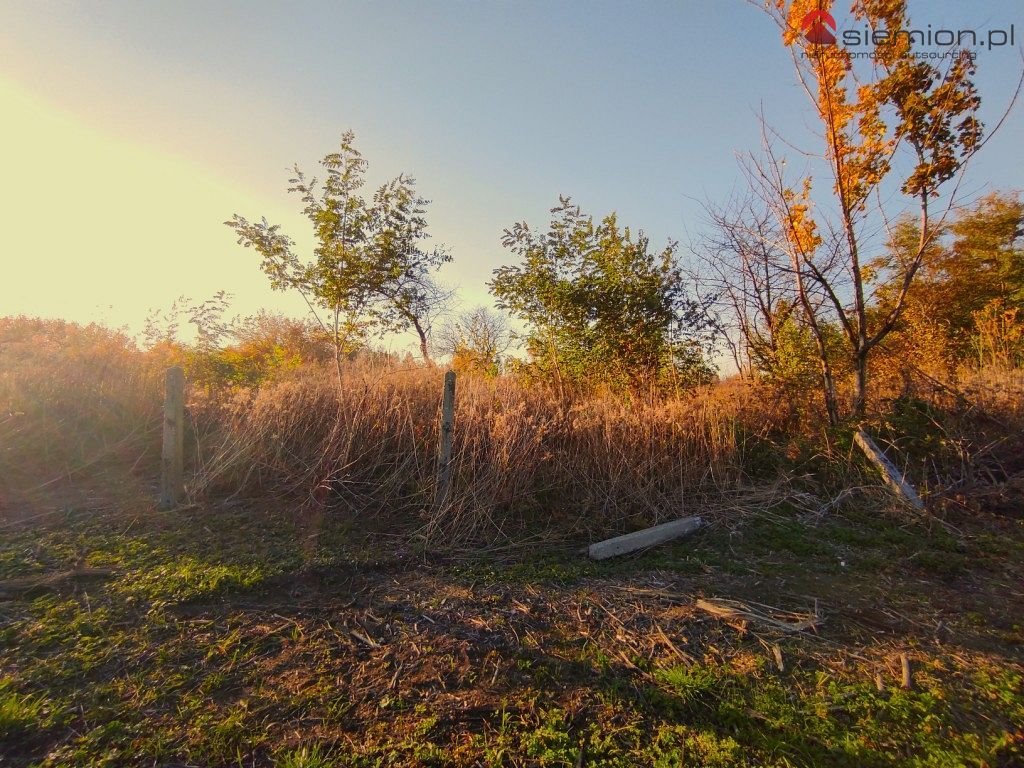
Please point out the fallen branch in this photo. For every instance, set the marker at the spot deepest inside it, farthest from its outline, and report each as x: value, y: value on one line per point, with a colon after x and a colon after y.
x: 12, y: 589
x: 734, y: 610
x: 364, y: 638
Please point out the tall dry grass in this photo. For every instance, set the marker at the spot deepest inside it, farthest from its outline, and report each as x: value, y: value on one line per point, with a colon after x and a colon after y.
x: 525, y: 458
x: 71, y: 396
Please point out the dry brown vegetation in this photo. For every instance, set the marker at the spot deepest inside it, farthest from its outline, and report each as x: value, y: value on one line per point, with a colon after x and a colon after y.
x: 70, y: 397
x: 528, y: 461
x: 523, y: 456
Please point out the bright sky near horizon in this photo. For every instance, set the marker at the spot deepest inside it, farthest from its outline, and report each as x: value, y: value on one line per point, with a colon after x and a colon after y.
x: 131, y: 130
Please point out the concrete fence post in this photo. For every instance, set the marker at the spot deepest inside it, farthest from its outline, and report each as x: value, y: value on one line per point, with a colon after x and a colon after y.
x: 172, y: 484
x: 444, y: 450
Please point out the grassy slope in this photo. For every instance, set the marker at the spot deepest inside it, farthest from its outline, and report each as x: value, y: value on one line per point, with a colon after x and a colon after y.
x: 250, y: 637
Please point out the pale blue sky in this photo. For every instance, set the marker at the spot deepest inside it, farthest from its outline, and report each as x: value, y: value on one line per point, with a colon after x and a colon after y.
x: 496, y: 107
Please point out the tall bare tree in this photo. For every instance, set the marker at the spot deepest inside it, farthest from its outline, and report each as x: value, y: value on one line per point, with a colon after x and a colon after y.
x: 743, y: 279
x: 477, y: 339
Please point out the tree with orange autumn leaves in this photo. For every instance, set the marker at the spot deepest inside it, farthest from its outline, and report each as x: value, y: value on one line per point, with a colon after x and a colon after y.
x: 901, y: 124
x: 967, y: 301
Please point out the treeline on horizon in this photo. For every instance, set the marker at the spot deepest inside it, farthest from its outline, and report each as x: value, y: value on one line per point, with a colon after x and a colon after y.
x: 605, y: 312
x: 601, y: 310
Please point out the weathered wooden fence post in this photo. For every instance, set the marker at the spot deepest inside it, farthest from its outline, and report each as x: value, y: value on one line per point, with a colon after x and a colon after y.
x: 172, y: 487
x: 444, y: 449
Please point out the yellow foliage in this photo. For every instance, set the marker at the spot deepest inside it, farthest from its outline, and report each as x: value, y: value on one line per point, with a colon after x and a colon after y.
x: 802, y: 229
x: 1000, y: 335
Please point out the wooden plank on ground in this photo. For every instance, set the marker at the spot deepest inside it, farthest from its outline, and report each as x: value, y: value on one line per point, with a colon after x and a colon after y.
x: 648, y: 537
x: 892, y: 476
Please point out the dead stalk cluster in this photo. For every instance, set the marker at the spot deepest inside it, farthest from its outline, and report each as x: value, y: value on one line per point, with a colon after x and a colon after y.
x: 522, y: 455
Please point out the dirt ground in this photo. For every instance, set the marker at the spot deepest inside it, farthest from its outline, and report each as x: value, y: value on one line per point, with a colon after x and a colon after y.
x: 249, y: 634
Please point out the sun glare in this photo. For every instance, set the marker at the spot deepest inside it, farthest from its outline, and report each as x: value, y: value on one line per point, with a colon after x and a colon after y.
x: 98, y: 227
